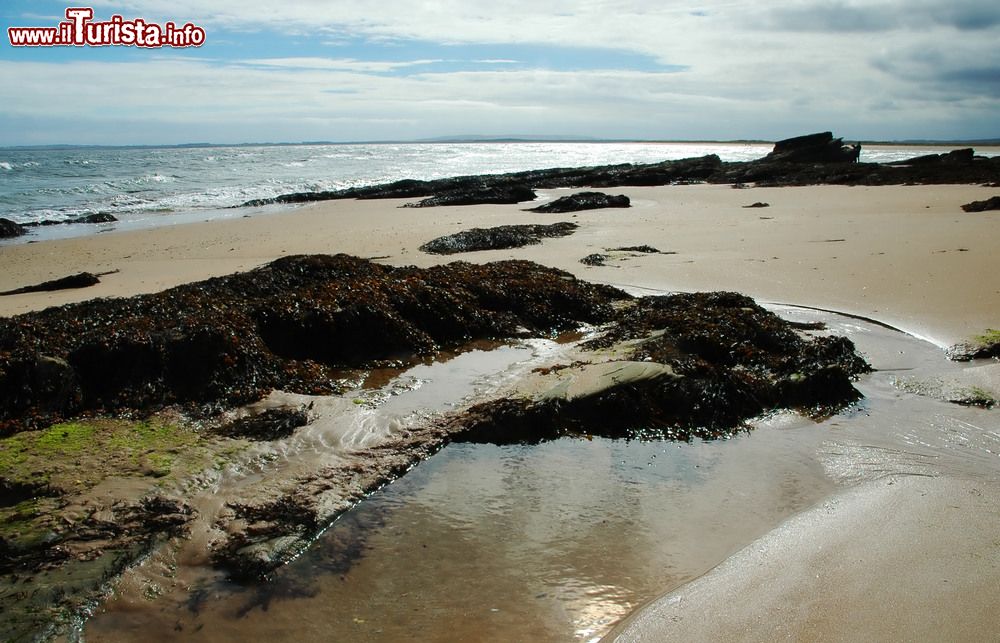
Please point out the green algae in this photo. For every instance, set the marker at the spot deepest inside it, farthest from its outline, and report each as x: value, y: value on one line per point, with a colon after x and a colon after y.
x: 988, y: 339
x: 75, y: 456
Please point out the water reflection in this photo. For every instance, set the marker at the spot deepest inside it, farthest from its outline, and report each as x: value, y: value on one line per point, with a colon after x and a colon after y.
x: 560, y: 540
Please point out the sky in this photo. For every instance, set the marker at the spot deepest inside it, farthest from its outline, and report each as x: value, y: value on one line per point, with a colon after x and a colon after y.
x: 311, y: 70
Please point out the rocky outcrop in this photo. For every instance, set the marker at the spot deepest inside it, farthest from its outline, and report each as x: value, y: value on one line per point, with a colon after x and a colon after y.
x: 813, y: 148
x: 10, y: 229
x: 673, y: 367
x: 698, y: 365
x: 813, y: 159
x: 496, y: 238
x: 289, y: 324
x: 992, y: 203
x: 605, y: 176
x: 501, y: 194
x: 962, y: 157
x: 584, y: 201
x: 99, y: 217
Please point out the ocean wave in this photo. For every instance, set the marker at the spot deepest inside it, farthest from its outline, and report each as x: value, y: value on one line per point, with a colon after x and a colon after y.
x: 4, y: 165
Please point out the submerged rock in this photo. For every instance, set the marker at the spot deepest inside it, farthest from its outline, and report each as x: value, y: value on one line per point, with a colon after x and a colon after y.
x: 584, y: 201
x: 496, y: 238
x: 992, y: 203
x: 272, y: 424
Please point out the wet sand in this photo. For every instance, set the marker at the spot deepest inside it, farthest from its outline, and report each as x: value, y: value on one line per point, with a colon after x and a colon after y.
x: 905, y: 255
x: 904, y: 559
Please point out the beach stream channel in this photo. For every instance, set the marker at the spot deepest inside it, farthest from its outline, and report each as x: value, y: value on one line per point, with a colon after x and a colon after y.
x: 554, y: 541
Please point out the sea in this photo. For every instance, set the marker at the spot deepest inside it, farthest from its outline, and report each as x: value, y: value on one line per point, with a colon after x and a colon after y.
x: 153, y: 186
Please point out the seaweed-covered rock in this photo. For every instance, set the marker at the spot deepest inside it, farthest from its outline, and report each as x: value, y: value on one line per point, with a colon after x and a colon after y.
x: 496, y: 238
x: 272, y: 424
x: 644, y: 249
x: 10, y: 229
x: 595, y: 259
x: 584, y: 201
x: 290, y: 324
x: 992, y: 203
x: 79, y: 280
x: 501, y: 194
x: 699, y: 365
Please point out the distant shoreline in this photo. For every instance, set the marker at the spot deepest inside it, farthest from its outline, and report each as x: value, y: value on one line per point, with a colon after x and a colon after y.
x: 989, y: 142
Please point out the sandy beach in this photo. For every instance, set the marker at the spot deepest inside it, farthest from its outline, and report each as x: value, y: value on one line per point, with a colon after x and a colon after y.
x: 906, y: 256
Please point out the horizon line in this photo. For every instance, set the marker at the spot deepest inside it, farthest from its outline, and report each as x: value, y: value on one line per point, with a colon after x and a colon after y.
x: 473, y: 138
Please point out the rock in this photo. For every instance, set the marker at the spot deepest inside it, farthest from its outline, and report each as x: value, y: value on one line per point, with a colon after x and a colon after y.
x: 813, y: 148
x: 10, y: 229
x: 662, y: 173
x: 643, y: 249
x: 54, y: 382
x: 984, y: 346
x: 291, y: 324
x: 100, y: 217
x: 584, y: 201
x: 272, y: 424
x: 963, y: 156
x: 992, y: 203
x: 79, y: 280
x: 497, y: 238
x: 478, y: 196
x: 814, y: 159
x: 689, y: 365
x: 758, y: 204
x: 595, y: 259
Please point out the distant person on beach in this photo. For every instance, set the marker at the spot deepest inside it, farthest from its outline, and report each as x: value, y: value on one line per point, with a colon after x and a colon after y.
x: 856, y: 150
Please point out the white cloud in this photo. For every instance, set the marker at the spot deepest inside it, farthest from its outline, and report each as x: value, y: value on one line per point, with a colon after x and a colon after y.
x: 876, y: 68
x: 342, y: 64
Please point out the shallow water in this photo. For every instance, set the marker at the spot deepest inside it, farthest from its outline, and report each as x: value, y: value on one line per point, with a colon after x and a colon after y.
x: 559, y: 541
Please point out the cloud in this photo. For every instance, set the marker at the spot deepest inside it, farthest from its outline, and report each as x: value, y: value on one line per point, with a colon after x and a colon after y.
x: 319, y: 69
x: 880, y: 16
x: 342, y: 64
